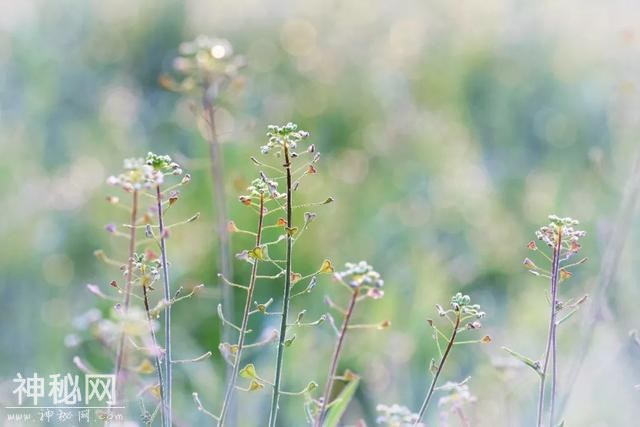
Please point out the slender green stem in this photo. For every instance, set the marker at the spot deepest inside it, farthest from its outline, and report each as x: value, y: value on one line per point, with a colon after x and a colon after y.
x: 554, y: 375
x: 167, y: 313
x: 228, y: 396
x: 156, y: 354
x: 127, y: 292
x: 336, y: 357
x: 219, y: 198
x: 427, y: 399
x: 550, y: 351
x: 286, y: 297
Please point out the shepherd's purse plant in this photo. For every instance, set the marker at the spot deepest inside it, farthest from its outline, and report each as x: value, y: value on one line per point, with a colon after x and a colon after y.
x: 462, y: 317
x: 362, y: 282
x: 562, y: 238
x: 143, y: 179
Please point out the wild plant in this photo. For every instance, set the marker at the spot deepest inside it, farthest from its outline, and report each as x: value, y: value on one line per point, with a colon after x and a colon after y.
x: 205, y: 67
x: 362, y: 282
x: 163, y: 165
x: 141, y: 271
x: 563, y: 239
x: 147, y: 271
x: 267, y: 200
x: 136, y: 177
x: 284, y: 143
x: 260, y: 192
x: 462, y: 317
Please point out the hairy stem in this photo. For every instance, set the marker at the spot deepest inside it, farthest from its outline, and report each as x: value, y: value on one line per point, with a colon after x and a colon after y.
x: 550, y: 351
x: 286, y: 297
x: 336, y: 357
x: 156, y: 354
x: 167, y: 313
x: 427, y: 399
x: 127, y: 291
x: 228, y: 396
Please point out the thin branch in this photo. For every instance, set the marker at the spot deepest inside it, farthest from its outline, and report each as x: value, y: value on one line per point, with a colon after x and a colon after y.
x: 228, y: 396
x: 205, y: 356
x: 336, y: 357
x: 167, y: 313
x: 127, y: 293
x: 201, y: 408
x: 156, y: 355
x: 425, y: 404
x: 551, y: 340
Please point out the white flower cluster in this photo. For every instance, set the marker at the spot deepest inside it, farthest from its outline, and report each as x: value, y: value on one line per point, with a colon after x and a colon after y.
x: 144, y: 173
x: 396, y: 416
x: 361, y: 275
x: 136, y: 176
x: 281, y: 136
x: 564, y: 227
x: 264, y: 186
x: 460, y: 302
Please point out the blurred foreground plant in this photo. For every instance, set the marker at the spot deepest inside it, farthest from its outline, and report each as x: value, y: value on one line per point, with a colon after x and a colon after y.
x: 563, y: 239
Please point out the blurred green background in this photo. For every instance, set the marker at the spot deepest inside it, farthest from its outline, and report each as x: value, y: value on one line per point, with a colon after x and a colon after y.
x: 449, y: 131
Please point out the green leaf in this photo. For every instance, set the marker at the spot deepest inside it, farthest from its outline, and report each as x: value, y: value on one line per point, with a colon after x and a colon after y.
x: 339, y: 406
x: 524, y: 359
